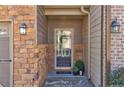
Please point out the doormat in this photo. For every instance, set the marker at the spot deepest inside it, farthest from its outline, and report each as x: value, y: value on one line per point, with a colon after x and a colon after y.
x: 63, y: 72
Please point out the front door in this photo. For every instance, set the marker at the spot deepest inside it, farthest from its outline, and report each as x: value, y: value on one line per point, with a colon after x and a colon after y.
x: 5, y: 53
x: 63, y: 49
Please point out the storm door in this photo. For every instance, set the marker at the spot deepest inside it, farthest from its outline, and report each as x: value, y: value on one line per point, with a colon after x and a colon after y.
x: 63, y: 49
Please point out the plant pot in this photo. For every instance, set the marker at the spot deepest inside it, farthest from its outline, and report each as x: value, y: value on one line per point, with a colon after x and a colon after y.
x: 75, y: 73
x: 80, y: 73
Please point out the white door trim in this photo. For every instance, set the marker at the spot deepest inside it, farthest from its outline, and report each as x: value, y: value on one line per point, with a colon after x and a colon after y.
x: 72, y: 45
x: 12, y: 63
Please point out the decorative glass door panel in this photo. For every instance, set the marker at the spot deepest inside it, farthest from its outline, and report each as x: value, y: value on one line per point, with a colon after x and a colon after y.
x: 63, y: 48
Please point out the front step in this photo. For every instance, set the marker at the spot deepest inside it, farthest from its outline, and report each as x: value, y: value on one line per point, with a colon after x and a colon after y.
x: 64, y: 72
x: 67, y: 81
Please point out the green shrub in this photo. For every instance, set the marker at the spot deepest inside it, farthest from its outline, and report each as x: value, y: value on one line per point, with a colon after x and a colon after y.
x: 80, y: 65
x: 117, y: 78
x: 75, y: 69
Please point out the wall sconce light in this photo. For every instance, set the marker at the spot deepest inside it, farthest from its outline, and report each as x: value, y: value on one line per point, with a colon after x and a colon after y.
x: 22, y: 28
x: 115, y: 26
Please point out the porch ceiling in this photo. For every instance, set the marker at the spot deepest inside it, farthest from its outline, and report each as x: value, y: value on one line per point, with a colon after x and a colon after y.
x: 64, y: 10
x: 61, y: 17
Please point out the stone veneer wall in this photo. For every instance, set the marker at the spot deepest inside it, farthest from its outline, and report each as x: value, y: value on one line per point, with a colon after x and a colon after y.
x: 41, y: 74
x: 28, y: 58
x: 117, y: 39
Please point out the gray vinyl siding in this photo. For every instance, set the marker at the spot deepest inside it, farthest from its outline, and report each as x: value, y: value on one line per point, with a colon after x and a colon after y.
x: 41, y: 26
x: 85, y: 42
x: 95, y: 53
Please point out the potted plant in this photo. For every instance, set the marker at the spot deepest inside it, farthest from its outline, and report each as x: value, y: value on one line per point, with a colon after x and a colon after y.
x: 79, y: 67
x: 75, y: 70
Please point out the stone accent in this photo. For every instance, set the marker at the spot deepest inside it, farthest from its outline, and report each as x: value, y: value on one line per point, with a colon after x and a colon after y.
x: 31, y: 72
x: 117, y: 39
x: 41, y: 74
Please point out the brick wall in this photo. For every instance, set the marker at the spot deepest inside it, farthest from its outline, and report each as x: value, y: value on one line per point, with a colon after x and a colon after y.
x: 51, y: 57
x: 24, y: 63
x: 27, y: 57
x: 117, y: 39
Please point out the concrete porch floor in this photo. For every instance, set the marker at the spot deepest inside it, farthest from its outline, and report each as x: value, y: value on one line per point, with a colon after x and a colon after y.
x: 66, y: 80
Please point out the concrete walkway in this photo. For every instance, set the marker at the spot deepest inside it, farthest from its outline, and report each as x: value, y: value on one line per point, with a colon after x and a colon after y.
x: 67, y: 81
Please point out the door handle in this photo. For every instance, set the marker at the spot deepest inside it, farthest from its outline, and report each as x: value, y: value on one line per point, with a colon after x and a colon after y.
x: 9, y: 60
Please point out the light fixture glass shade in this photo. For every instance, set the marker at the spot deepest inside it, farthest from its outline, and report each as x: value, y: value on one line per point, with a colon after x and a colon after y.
x: 115, y: 26
x: 22, y: 31
x: 22, y: 28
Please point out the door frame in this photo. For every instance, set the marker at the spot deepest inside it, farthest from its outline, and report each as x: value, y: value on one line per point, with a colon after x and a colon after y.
x: 10, y: 21
x: 72, y: 47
